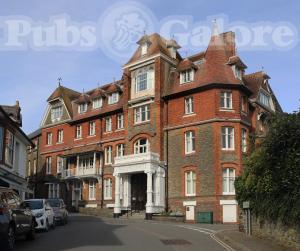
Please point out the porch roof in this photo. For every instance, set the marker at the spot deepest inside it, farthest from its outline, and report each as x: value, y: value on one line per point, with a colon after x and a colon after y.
x: 82, y: 150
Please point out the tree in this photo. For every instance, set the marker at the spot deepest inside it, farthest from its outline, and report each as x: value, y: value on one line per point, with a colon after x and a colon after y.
x: 271, y: 178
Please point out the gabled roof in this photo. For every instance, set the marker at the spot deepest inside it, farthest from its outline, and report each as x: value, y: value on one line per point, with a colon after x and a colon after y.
x: 66, y: 94
x: 14, y: 112
x: 256, y: 81
x: 35, y: 134
x: 157, y: 44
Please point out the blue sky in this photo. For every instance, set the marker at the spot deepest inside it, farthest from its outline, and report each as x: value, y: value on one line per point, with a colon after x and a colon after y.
x: 30, y: 75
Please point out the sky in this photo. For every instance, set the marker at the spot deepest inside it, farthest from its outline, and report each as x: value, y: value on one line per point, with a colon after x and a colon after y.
x: 108, y: 31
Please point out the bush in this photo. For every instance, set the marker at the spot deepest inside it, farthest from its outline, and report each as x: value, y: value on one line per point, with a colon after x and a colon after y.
x: 271, y: 178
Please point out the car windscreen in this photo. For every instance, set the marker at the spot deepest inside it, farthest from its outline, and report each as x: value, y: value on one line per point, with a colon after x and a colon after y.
x: 34, y: 204
x: 54, y: 203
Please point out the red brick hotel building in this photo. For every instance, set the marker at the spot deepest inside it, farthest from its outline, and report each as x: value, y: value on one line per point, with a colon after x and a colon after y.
x: 171, y: 134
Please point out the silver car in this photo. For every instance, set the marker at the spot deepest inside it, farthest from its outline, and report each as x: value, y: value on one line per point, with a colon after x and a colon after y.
x: 60, y: 211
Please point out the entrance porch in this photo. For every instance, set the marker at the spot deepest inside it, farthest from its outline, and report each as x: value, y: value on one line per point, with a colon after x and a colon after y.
x: 139, y: 184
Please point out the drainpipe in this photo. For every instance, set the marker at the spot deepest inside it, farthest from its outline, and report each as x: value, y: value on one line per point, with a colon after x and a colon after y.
x: 167, y: 162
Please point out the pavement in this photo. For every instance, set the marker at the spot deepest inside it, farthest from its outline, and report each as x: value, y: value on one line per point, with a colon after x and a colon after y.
x: 90, y: 233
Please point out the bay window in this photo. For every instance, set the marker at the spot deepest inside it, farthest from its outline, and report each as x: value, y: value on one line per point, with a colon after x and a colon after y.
x: 226, y: 100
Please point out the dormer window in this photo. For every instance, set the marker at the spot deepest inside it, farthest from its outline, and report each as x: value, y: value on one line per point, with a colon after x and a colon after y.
x: 264, y: 99
x: 237, y: 72
x: 113, y: 98
x: 97, y: 103
x: 56, y: 113
x: 82, y: 108
x: 144, y: 48
x: 186, y: 76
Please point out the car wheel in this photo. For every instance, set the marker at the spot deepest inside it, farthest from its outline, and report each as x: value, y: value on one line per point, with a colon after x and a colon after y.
x: 9, y: 242
x: 31, y: 234
x: 47, y: 226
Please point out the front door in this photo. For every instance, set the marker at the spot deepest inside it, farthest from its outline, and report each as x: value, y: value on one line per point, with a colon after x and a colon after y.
x: 190, y: 212
x: 138, y: 191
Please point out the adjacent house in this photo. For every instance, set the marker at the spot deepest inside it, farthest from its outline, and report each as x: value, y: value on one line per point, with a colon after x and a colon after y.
x: 13, y: 145
x: 171, y: 134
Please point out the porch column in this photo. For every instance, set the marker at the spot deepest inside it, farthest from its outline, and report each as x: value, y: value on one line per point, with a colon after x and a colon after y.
x: 126, y: 191
x: 149, y: 205
x: 117, y: 208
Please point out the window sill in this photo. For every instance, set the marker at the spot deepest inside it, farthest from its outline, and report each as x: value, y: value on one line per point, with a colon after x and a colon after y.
x: 188, y: 82
x: 91, y: 136
x: 189, y: 115
x: 92, y: 198
x: 227, y: 110
x: 141, y: 123
x: 190, y: 154
x: 59, y: 143
x: 228, y: 194
x: 190, y: 195
x: 119, y: 130
x: 78, y: 139
x: 107, y: 198
x: 228, y: 150
x: 108, y: 132
x: 49, y: 145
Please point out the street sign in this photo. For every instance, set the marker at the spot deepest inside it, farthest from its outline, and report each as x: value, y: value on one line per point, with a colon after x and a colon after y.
x: 246, y: 204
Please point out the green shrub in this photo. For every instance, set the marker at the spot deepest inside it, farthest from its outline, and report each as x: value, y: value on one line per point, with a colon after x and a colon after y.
x: 271, y: 177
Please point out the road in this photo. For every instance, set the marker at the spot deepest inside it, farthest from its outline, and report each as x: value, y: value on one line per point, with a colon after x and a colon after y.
x: 87, y: 233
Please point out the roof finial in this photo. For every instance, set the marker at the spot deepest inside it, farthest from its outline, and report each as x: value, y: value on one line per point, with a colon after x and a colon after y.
x: 215, y: 29
x: 59, y: 80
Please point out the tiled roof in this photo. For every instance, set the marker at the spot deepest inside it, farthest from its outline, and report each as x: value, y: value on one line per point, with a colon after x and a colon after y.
x: 157, y: 44
x: 35, y: 133
x: 14, y: 112
x: 83, y: 150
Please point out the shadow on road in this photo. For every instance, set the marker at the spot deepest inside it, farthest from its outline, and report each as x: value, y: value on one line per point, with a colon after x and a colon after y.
x: 81, y: 232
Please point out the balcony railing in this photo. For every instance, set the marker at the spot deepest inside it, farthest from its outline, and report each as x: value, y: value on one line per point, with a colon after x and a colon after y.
x: 74, y: 172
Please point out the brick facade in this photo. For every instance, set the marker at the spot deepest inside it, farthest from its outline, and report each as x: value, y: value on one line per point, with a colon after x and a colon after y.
x: 213, y: 74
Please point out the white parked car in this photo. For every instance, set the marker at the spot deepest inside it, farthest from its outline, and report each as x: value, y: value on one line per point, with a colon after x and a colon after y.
x: 43, y: 213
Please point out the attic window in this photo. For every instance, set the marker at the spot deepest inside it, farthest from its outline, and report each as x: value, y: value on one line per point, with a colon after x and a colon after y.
x: 82, y: 108
x: 186, y: 76
x: 264, y: 99
x: 97, y: 103
x: 56, y: 113
x: 237, y: 72
x: 144, y: 49
x: 113, y: 98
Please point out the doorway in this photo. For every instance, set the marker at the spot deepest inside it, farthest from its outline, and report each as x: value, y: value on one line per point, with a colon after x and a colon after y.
x: 138, y: 192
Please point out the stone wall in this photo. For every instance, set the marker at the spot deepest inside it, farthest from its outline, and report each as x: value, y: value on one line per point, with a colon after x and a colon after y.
x: 288, y: 236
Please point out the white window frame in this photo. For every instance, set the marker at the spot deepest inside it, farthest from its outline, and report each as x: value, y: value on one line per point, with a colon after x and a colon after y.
x: 144, y: 49
x: 97, y: 103
x: 141, y: 148
x: 59, y: 164
x: 244, y: 140
x: 92, y: 128
x: 120, y: 121
x: 78, y: 132
x: 92, y: 190
x: 60, y: 136
x: 189, y: 139
x: 56, y: 113
x: 48, y: 165
x: 264, y: 99
x: 142, y: 114
x: 226, y: 100
x: 49, y: 138
x: 113, y: 98
x: 82, y: 108
x: 227, y: 137
x: 187, y: 76
x: 86, y: 162
x: 120, y: 150
x: 108, y: 155
x: 53, y: 191
x: 34, y: 166
x: 190, y: 183
x: 9, y: 148
x: 189, y: 105
x: 228, y: 181
x: 108, y: 124
x: 108, y: 189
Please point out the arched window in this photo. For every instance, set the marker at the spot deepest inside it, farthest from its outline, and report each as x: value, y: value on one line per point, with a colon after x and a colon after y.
x: 141, y: 146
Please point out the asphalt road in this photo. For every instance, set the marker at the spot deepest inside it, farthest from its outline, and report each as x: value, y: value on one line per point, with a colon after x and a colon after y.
x: 86, y: 233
